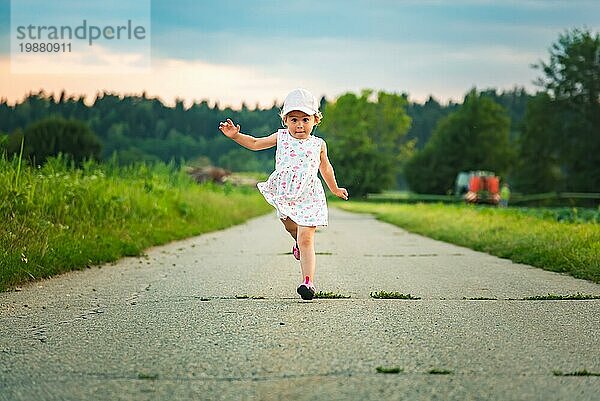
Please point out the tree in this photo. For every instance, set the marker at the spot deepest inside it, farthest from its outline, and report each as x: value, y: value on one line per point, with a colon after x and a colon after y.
x: 572, y: 82
x: 126, y: 122
x: 538, y: 167
x: 54, y: 135
x: 424, y: 119
x: 515, y: 103
x: 364, y: 138
x: 475, y: 137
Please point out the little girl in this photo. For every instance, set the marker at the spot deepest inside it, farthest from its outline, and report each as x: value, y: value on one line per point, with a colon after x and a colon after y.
x: 294, y: 188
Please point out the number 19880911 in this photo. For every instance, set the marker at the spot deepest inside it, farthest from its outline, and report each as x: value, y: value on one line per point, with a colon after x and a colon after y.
x: 43, y: 47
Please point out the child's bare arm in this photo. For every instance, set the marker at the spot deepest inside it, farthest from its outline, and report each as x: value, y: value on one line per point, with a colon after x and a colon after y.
x: 328, y: 175
x: 230, y: 130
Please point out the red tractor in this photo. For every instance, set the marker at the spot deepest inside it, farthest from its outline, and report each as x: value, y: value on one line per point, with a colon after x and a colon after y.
x: 478, y: 187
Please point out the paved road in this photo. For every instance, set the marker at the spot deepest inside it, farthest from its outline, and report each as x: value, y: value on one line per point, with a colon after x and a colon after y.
x: 168, y: 326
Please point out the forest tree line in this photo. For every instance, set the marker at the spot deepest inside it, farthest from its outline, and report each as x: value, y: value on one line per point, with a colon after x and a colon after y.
x: 547, y: 141
x: 138, y: 128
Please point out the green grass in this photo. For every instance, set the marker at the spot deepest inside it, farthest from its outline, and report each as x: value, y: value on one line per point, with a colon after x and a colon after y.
x: 555, y: 297
x: 572, y: 248
x: 57, y: 218
x: 436, y: 371
x: 331, y: 295
x: 391, y: 295
x: 577, y: 373
x: 561, y: 214
x: 245, y: 296
x: 389, y: 370
x: 147, y: 376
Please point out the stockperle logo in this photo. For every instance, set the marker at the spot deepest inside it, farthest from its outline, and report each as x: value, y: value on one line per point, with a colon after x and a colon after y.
x: 68, y: 36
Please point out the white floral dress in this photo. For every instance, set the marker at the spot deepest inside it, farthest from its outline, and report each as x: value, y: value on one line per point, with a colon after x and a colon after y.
x: 294, y: 188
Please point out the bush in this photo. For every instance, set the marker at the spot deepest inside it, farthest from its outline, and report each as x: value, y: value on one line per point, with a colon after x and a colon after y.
x: 53, y: 136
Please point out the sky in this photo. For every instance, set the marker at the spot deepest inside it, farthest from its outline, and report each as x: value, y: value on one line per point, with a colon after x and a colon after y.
x: 256, y: 51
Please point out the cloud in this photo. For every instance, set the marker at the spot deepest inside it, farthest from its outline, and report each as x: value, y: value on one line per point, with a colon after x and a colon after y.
x: 169, y: 79
x: 228, y: 51
x: 421, y: 71
x: 89, y: 60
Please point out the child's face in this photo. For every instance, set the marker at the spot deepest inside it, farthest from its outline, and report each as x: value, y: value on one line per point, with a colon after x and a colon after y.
x: 300, y: 124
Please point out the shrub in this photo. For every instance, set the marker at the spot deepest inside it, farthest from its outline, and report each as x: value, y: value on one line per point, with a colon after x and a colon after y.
x: 53, y: 136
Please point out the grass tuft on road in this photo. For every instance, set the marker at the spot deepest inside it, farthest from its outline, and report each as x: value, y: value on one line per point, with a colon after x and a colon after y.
x: 147, y: 376
x: 246, y: 296
x: 391, y: 295
x: 572, y: 248
x: 436, y: 371
x: 57, y: 218
x: 583, y: 372
x: 331, y: 295
x: 555, y: 297
x: 389, y: 370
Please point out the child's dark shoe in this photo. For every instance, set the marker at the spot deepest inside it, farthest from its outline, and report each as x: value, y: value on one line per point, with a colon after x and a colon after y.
x: 306, y: 289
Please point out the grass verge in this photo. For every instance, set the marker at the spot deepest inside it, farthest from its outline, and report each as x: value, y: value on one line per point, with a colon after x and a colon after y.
x: 572, y: 248
x: 57, y: 218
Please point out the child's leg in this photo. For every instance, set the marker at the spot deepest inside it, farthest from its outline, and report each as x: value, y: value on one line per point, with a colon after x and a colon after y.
x: 306, y: 243
x: 291, y: 227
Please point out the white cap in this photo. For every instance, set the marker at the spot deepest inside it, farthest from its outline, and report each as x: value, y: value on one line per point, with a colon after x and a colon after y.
x: 302, y: 100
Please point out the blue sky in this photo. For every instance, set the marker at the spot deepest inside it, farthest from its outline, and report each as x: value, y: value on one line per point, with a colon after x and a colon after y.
x: 255, y: 51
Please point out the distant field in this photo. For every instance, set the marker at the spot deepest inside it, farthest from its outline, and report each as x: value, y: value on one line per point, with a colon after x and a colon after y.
x: 560, y: 240
x: 57, y: 218
x: 554, y: 199
x: 560, y: 214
